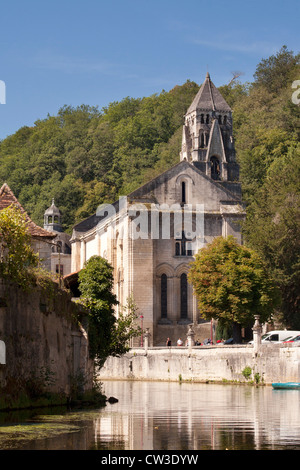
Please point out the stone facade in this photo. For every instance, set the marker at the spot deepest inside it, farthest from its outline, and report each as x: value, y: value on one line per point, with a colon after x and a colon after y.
x: 151, y: 236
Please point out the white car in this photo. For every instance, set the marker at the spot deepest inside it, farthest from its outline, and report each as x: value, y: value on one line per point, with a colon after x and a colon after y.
x: 293, y: 341
x: 277, y: 336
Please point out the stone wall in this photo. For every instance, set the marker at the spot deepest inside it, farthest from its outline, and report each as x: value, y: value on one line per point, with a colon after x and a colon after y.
x: 41, y: 335
x: 272, y: 363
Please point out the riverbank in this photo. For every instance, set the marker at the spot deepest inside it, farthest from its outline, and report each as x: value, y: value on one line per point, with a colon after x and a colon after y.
x: 238, y: 363
x: 22, y: 400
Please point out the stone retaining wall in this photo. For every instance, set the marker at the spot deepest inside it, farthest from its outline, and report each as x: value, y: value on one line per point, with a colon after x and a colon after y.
x: 272, y: 363
x: 42, y: 337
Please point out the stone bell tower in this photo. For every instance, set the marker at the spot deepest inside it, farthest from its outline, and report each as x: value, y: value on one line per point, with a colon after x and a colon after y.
x: 207, y: 140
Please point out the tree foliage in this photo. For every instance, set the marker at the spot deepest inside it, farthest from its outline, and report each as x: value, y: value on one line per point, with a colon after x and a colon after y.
x: 85, y: 157
x: 231, y: 283
x: 273, y: 227
x: 108, y: 335
x: 16, y: 253
x: 267, y: 134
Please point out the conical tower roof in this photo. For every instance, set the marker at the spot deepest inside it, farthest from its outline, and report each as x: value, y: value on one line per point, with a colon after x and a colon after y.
x: 209, y: 98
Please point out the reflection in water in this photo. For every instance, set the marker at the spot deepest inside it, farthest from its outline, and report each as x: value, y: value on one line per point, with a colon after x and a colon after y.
x: 173, y: 416
x: 169, y: 416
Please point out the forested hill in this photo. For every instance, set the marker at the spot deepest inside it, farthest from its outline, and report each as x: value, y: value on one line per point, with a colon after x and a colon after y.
x: 83, y: 157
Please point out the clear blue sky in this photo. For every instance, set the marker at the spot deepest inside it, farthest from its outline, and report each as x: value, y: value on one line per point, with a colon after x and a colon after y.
x: 95, y: 52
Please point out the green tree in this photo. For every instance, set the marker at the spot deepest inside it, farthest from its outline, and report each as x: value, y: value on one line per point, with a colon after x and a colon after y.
x: 108, y: 336
x: 231, y: 284
x: 272, y: 228
x: 276, y: 71
x: 17, y: 255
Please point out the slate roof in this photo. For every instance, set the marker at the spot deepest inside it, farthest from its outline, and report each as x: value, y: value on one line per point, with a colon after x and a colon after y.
x: 7, y: 198
x: 209, y: 98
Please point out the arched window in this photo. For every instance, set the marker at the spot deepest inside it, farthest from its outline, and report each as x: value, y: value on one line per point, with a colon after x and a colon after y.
x: 207, y: 119
x: 183, y: 192
x: 215, y: 168
x: 202, y: 119
x: 206, y: 138
x: 225, y: 120
x: 164, y: 295
x: 183, y: 296
x: 201, y: 140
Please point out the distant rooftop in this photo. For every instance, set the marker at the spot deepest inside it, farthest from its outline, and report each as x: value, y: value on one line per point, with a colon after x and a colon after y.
x: 7, y: 198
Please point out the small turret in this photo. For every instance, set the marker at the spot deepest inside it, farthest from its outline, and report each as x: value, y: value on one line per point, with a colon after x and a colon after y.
x: 52, y: 219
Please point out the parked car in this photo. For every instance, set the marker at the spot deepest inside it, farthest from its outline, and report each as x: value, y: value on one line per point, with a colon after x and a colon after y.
x: 277, y: 336
x: 293, y: 339
x: 228, y: 341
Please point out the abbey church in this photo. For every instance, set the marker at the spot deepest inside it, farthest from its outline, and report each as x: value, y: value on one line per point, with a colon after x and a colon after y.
x: 151, y: 235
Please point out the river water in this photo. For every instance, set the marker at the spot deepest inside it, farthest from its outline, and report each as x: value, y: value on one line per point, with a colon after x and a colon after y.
x: 164, y: 416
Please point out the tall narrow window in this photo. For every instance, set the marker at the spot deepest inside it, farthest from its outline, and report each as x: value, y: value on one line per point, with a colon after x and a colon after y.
x: 164, y: 295
x: 183, y: 296
x: 189, y: 251
x: 183, y: 193
x: 183, y: 246
x: 215, y: 168
x: 206, y: 139
x: 201, y: 140
x: 59, y: 269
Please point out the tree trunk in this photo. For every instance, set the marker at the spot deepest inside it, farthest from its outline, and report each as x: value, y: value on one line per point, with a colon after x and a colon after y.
x: 236, y: 333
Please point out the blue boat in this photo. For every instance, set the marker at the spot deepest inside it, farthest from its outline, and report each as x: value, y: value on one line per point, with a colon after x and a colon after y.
x: 286, y: 386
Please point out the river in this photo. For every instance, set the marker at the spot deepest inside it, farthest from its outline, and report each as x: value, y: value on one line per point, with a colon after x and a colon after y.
x: 164, y: 416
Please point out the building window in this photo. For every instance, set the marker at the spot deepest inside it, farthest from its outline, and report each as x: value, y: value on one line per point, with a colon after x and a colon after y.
x: 59, y: 267
x: 188, y: 248
x: 215, y: 168
x: 201, y: 140
x: 206, y: 138
x: 183, y: 192
x: 164, y: 295
x: 183, y: 296
x: 183, y: 246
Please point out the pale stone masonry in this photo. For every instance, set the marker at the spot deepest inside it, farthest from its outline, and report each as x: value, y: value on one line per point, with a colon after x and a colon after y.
x: 273, y: 363
x: 151, y: 236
